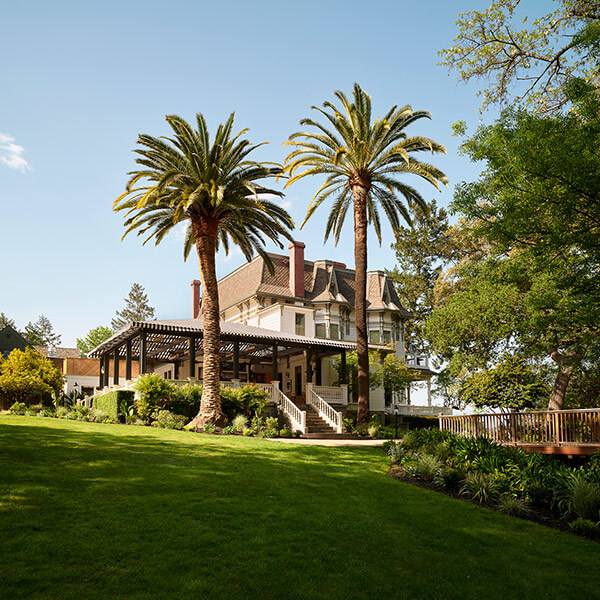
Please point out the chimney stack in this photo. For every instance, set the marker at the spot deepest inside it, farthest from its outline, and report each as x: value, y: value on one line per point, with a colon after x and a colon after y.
x: 297, y: 269
x: 195, y: 299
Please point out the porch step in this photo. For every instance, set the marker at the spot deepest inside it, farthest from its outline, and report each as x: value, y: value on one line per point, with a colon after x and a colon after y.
x: 316, y: 427
x: 329, y: 436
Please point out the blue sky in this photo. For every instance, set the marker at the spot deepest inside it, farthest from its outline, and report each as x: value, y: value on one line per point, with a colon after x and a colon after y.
x: 80, y: 81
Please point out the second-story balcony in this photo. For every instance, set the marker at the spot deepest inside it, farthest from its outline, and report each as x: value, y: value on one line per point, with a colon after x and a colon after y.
x: 417, y: 361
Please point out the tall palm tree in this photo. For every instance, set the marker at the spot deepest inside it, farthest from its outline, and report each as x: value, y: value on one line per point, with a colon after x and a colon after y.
x: 363, y: 161
x: 215, y: 188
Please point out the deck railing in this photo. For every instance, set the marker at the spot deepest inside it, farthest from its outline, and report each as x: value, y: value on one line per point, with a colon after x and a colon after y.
x: 550, y: 428
x: 326, y: 411
x: 333, y: 394
x: 296, y: 416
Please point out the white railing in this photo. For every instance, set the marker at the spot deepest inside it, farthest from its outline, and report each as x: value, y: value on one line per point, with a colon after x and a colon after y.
x: 333, y: 394
x: 419, y: 411
x: 326, y: 411
x: 296, y: 416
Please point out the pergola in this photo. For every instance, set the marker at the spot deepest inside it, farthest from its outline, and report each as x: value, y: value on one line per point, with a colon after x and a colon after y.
x: 175, y: 341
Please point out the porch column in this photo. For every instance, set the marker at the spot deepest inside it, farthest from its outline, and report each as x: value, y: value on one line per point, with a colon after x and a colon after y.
x: 236, y: 359
x: 309, y: 369
x: 128, y: 360
x: 106, y: 370
x: 343, y: 374
x: 176, y: 369
x: 274, y: 367
x: 143, y: 351
x: 101, y: 373
x: 429, y: 392
x: 116, y: 367
x: 318, y: 370
x: 192, y: 357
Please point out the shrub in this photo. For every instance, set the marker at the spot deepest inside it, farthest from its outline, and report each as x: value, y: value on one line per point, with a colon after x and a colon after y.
x: 373, y: 430
x: 271, y: 433
x: 510, y: 505
x: 229, y: 430
x: 396, y: 452
x: 47, y: 411
x: 480, y: 487
x: 240, y: 422
x: 585, y: 527
x: 100, y: 416
x: 449, y: 478
x: 257, y: 424
x: 18, y: 408
x: 167, y: 420
x: 248, y: 432
x: 186, y: 400
x: 427, y: 466
x: 248, y: 399
x: 113, y: 403
x: 585, y: 498
x: 272, y: 424
x: 286, y: 433
x: 81, y: 413
x: 348, y: 425
x: 62, y: 412
x: 34, y: 410
x: 154, y: 393
x: 209, y: 428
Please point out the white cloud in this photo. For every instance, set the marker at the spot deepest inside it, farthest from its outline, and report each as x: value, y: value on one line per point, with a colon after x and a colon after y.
x: 11, y: 154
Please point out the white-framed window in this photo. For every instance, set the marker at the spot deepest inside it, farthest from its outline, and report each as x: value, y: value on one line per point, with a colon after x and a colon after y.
x: 334, y: 331
x: 387, y: 337
x: 320, y: 330
x: 300, y: 324
x: 374, y: 336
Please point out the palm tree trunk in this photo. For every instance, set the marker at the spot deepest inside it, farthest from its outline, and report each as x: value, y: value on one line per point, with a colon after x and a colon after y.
x: 360, y: 301
x: 205, y: 235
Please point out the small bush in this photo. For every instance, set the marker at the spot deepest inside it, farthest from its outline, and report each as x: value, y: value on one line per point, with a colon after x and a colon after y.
x: 62, y: 412
x: 272, y: 424
x: 271, y: 433
x: 209, y: 428
x: 585, y: 498
x: 449, y: 478
x: 113, y: 402
x: 427, y: 466
x: 154, y: 393
x: 18, y: 408
x: 257, y: 424
x: 167, y: 420
x: 480, y: 487
x: 512, y: 506
x: 47, y: 411
x: 248, y: 432
x: 373, y: 430
x: 585, y: 527
x: 100, y: 416
x: 81, y: 413
x: 286, y: 433
x: 229, y: 430
x: 348, y: 425
x: 396, y: 452
x: 240, y: 422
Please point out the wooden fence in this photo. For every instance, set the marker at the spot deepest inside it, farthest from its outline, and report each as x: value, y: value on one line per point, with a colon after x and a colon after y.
x: 545, y: 428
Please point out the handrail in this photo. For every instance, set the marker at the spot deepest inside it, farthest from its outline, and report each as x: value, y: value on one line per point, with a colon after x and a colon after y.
x: 555, y: 427
x: 333, y: 393
x: 296, y: 416
x: 325, y: 410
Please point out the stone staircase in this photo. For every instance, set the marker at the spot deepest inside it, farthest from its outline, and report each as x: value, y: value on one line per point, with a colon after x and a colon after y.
x: 318, y: 428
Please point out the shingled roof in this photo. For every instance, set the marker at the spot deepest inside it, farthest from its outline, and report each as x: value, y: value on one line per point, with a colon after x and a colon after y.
x: 324, y: 281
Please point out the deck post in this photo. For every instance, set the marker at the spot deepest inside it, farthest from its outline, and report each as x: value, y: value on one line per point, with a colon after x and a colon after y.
x: 309, y: 369
x: 176, y: 369
x: 343, y: 373
x: 116, y: 367
x: 192, y: 357
x: 275, y: 366
x: 318, y: 365
x: 236, y: 359
x: 106, y: 370
x: 143, y: 352
x: 128, y: 360
x: 101, y: 373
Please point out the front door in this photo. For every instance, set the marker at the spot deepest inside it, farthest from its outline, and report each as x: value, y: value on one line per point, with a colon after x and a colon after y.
x: 298, y: 378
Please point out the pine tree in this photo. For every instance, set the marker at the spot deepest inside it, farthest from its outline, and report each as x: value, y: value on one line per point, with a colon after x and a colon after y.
x: 4, y: 321
x: 41, y: 333
x: 136, y: 308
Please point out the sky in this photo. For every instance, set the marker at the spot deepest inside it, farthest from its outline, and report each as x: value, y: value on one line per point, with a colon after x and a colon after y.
x: 80, y: 80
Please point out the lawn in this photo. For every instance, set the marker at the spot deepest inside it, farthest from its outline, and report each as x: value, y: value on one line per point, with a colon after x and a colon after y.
x: 98, y: 511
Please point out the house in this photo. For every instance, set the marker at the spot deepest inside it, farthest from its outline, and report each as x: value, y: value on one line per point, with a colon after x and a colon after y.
x: 11, y: 339
x: 282, y: 330
x: 81, y: 373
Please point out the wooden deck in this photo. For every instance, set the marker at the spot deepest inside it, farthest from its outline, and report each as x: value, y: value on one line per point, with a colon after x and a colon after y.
x: 566, y: 432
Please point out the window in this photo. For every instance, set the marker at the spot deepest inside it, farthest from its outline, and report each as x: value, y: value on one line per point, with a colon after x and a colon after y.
x: 387, y: 337
x: 320, y: 331
x: 300, y: 326
x: 374, y: 337
x: 334, y: 331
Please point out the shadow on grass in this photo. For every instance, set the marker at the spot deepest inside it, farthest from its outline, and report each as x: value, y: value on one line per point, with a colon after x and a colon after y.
x: 93, y: 511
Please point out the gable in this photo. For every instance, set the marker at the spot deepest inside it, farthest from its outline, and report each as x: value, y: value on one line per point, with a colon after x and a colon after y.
x: 10, y: 339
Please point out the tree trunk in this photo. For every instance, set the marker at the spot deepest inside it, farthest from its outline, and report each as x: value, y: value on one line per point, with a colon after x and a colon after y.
x: 205, y: 235
x: 360, y: 301
x: 566, y: 365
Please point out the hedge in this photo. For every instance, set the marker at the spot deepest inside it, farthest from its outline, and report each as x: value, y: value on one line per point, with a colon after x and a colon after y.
x: 109, y: 403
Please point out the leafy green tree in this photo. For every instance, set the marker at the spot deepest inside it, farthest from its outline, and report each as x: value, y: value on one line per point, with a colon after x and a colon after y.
x: 27, y: 376
x: 363, y: 161
x: 4, y: 321
x: 215, y: 188
x: 535, y: 58
x: 511, y: 385
x: 137, y: 308
x: 422, y: 250
x: 393, y: 374
x: 41, y: 333
x: 94, y: 338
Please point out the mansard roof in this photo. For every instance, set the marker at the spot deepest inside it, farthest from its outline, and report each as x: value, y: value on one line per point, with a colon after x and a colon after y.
x: 324, y: 281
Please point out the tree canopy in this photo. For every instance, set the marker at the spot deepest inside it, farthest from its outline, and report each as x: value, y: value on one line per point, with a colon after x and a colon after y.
x: 94, y: 338
x: 41, y: 333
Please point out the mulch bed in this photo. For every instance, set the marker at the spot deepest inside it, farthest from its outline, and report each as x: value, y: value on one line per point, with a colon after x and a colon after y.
x: 545, y: 518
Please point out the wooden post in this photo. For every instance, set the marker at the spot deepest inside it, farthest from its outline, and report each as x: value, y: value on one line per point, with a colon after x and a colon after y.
x: 101, y: 371
x: 236, y: 359
x: 106, y: 370
x: 309, y: 369
x: 275, y: 366
x: 116, y: 368
x: 319, y: 378
x: 176, y: 369
x: 128, y: 360
x: 143, y: 352
x: 192, y: 357
x: 343, y: 372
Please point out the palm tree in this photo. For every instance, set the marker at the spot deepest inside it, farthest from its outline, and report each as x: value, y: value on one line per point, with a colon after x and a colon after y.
x: 362, y: 161
x: 214, y: 188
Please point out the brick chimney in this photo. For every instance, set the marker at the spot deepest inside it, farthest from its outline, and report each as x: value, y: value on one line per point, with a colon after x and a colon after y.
x: 195, y: 299
x: 297, y: 269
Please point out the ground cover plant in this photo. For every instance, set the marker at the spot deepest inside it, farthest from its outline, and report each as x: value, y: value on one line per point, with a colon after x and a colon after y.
x: 95, y: 511
x: 508, y: 479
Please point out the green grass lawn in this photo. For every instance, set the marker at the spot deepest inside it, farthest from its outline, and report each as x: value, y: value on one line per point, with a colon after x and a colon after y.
x: 97, y: 511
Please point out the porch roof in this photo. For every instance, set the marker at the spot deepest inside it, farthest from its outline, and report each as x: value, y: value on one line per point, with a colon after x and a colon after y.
x: 230, y: 332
